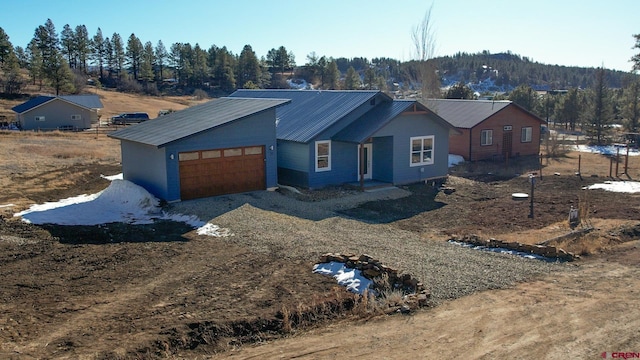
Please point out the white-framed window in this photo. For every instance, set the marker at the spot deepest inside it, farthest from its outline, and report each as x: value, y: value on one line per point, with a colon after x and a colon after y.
x: 76, y: 117
x: 323, y: 155
x: 486, y: 137
x: 525, y: 135
x: 39, y: 118
x: 421, y: 150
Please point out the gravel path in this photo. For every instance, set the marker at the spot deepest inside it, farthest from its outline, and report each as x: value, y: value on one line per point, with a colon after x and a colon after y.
x: 287, y: 228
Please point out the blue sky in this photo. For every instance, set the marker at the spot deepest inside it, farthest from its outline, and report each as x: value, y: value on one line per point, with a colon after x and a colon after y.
x: 564, y: 32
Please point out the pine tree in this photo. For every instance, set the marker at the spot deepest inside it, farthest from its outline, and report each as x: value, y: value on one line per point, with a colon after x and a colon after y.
x: 5, y: 46
x: 68, y: 43
x: 459, y: 91
x: 631, y: 106
x: 134, y: 55
x: 599, y: 113
x: 332, y: 77
x: 161, y: 58
x: 99, y: 52
x: 249, y: 68
x: 146, y: 63
x: 118, y: 55
x: 525, y: 96
x: 636, y: 58
x: 82, y: 46
x: 352, y: 79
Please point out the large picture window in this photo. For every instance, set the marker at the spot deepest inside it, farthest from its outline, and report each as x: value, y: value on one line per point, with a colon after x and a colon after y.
x: 323, y: 155
x: 486, y: 137
x: 421, y: 150
x: 526, y: 134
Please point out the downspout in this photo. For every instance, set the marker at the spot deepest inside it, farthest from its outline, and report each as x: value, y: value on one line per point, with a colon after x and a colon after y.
x: 361, y: 167
x: 470, y: 143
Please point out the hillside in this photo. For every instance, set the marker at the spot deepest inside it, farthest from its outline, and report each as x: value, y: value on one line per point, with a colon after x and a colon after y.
x: 503, y: 72
x: 114, y: 103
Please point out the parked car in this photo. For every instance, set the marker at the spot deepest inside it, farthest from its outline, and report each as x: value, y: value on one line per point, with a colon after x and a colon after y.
x: 129, y: 118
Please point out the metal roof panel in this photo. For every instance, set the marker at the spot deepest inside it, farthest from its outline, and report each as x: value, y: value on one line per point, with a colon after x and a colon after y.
x: 196, y: 119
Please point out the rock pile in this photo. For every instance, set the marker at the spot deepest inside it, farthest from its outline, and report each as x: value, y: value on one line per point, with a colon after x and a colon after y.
x: 416, y: 295
x: 541, y: 250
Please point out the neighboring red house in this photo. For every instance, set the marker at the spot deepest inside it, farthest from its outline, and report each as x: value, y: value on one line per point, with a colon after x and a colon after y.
x: 489, y: 129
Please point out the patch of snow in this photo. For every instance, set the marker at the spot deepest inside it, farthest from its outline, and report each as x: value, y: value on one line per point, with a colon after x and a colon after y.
x: 112, y: 177
x: 455, y: 159
x: 6, y: 205
x: 352, y: 279
x: 606, y: 149
x: 502, y: 251
x: 210, y: 229
x: 123, y: 201
x: 617, y: 186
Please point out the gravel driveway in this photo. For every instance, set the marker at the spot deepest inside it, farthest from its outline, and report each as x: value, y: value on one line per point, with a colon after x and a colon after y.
x: 279, y: 224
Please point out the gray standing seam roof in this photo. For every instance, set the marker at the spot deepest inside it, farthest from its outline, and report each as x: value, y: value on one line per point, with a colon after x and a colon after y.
x: 196, y: 119
x: 87, y: 101
x: 465, y: 113
x: 361, y: 129
x: 310, y: 111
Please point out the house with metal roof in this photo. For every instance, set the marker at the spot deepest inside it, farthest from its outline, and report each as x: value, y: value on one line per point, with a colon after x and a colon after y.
x: 489, y: 130
x: 70, y: 112
x: 220, y: 147
x: 333, y: 137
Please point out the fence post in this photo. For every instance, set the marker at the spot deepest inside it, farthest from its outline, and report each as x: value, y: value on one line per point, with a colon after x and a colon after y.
x: 626, y: 162
x: 617, y: 160
x: 610, y: 167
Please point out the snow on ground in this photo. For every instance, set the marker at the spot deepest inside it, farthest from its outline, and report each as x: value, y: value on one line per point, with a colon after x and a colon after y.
x: 617, y: 186
x: 123, y: 201
x: 503, y: 251
x: 352, y: 279
x: 606, y: 149
x: 455, y: 159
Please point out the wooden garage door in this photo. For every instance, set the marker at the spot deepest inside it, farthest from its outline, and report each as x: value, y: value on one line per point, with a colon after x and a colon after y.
x: 221, y: 171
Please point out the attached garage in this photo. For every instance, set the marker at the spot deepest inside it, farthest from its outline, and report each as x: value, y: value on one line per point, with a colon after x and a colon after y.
x: 221, y: 171
x: 221, y: 147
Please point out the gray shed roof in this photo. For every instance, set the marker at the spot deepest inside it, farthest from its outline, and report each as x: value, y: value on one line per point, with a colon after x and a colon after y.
x: 196, y: 119
x: 87, y: 101
x: 310, y: 111
x: 465, y: 113
x: 361, y: 129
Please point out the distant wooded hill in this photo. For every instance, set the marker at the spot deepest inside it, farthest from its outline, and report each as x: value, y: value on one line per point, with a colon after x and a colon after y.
x: 505, y: 71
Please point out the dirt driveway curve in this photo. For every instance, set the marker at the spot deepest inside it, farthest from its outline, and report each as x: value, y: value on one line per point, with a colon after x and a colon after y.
x: 571, y: 315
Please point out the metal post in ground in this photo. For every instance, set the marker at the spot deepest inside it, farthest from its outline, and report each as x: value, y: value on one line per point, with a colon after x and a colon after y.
x: 617, y: 160
x: 533, y: 181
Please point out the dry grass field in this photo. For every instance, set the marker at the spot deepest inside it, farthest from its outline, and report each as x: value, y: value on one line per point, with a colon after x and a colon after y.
x: 156, y: 291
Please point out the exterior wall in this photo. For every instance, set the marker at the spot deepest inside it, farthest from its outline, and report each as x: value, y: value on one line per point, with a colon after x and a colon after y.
x: 459, y: 144
x: 57, y: 113
x: 258, y: 129
x: 402, y: 129
x: 344, y: 165
x: 468, y: 144
x: 515, y: 117
x: 293, y: 163
x: 145, y: 165
x: 382, y: 159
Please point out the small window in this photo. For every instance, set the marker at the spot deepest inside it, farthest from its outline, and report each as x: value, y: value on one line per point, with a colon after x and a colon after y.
x: 189, y: 156
x: 526, y: 134
x: 507, y: 128
x: 211, y: 154
x: 486, y: 137
x: 76, y: 117
x: 254, y: 150
x: 39, y: 118
x: 421, y: 150
x: 233, y: 152
x: 323, y: 155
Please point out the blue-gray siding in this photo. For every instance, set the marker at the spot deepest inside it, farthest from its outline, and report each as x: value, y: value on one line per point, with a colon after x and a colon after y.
x: 403, y: 128
x: 145, y: 165
x: 57, y: 113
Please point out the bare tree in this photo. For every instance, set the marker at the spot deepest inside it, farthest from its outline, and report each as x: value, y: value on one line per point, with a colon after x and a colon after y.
x: 425, y: 74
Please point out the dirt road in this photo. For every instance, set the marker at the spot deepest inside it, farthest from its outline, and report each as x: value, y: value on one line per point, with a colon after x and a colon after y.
x: 577, y: 314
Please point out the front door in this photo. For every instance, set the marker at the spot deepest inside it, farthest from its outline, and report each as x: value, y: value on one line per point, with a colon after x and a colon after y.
x: 368, y: 156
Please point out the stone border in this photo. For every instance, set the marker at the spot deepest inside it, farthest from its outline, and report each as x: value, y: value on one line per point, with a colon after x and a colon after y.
x: 416, y: 294
x: 541, y: 250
